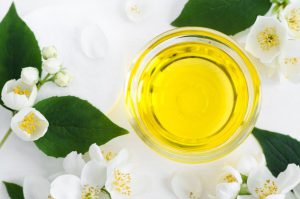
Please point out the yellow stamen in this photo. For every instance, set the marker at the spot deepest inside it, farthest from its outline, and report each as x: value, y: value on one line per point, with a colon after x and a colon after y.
x: 293, y: 19
x: 29, y: 123
x: 122, y: 182
x: 230, y: 178
x: 292, y: 60
x: 269, y: 188
x: 268, y: 38
x: 109, y: 155
x: 18, y: 90
x: 90, y: 192
x: 135, y: 9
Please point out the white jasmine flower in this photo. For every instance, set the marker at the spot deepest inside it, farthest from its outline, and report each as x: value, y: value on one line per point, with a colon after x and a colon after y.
x: 266, y: 38
x: 186, y: 186
x: 52, y: 65
x: 289, y: 60
x: 263, y: 185
x: 73, y: 163
x: 90, y: 184
x: 291, y: 17
x: 123, y: 179
x: 62, y: 78
x: 17, y: 95
x: 137, y: 10
x: 49, y: 52
x: 30, y: 75
x: 36, y: 187
x: 29, y: 124
x: 99, y: 155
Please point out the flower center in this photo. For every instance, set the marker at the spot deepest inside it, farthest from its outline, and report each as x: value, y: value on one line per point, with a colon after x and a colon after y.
x: 90, y: 192
x: 18, y: 90
x: 109, y: 155
x: 268, y: 38
x: 122, y: 182
x: 135, y: 9
x: 50, y: 197
x: 293, y: 19
x: 29, y: 123
x: 230, y: 178
x: 269, y: 188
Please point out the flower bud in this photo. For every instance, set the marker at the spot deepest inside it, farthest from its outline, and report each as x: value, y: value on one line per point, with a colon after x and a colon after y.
x: 30, y: 75
x: 49, y: 52
x: 52, y: 65
x: 62, y: 79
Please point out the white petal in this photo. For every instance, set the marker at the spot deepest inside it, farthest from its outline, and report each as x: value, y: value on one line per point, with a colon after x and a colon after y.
x: 52, y: 65
x: 290, y: 195
x: 30, y: 75
x: 94, y: 174
x: 297, y: 191
x: 36, y: 187
x: 184, y: 184
x: 137, y: 10
x: 41, y: 128
x: 291, y: 18
x: 289, y: 60
x: 121, y: 158
x: 95, y: 153
x: 245, y: 197
x: 289, y: 179
x: 253, y: 45
x: 66, y: 187
x: 246, y: 164
x: 73, y: 163
x: 94, y: 42
x: 227, y: 190
x: 257, y: 179
x: 230, y: 171
x: 276, y: 196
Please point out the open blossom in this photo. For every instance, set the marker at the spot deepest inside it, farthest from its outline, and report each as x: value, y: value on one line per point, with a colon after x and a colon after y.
x: 29, y: 124
x: 291, y: 17
x: 266, y: 39
x: 263, y: 185
x: 49, y: 52
x: 17, y: 95
x: 62, y: 78
x: 186, y: 186
x: 30, y: 75
x: 289, y: 61
x: 52, y: 65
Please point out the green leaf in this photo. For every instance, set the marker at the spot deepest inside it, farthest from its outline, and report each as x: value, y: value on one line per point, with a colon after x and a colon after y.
x: 18, y: 47
x: 227, y: 16
x: 280, y: 150
x: 14, y: 191
x: 74, y: 125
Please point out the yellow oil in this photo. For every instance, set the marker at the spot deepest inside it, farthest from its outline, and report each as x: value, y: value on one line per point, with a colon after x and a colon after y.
x: 192, y: 97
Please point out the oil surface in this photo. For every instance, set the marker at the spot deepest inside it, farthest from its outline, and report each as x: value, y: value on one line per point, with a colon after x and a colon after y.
x: 192, y: 96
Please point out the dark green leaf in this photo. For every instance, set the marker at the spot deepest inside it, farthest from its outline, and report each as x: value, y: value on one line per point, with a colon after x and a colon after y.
x: 227, y: 16
x: 280, y: 150
x: 74, y: 125
x: 14, y: 191
x: 18, y: 47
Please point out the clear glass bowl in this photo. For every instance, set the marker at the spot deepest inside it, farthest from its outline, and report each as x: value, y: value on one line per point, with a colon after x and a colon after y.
x: 206, y: 36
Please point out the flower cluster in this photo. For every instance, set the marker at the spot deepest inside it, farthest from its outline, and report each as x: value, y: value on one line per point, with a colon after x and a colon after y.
x: 20, y: 95
x: 275, y: 41
x: 103, y: 175
x: 249, y: 179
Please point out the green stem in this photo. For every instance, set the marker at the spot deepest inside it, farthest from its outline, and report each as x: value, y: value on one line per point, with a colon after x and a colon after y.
x: 5, y: 137
x: 43, y: 81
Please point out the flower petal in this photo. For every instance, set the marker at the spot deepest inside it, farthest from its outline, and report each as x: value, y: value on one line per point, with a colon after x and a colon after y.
x: 276, y: 196
x: 66, y: 187
x: 230, y: 175
x: 121, y: 158
x: 94, y: 174
x: 257, y: 179
x: 185, y: 185
x: 73, y: 163
x: 291, y: 18
x: 266, y: 38
x: 246, y: 164
x: 227, y: 190
x: 95, y: 153
x: 245, y: 197
x: 290, y: 195
x: 297, y: 191
x: 289, y: 179
x: 36, y: 187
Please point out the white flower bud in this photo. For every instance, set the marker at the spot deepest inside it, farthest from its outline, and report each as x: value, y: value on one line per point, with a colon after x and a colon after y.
x: 18, y: 95
x: 52, y: 65
x: 62, y: 79
x: 49, y: 52
x: 30, y: 75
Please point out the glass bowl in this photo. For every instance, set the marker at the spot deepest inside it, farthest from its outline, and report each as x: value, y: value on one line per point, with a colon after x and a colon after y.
x: 165, y: 145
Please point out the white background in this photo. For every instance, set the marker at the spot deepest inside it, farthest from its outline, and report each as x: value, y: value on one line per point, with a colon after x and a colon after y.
x: 102, y: 81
